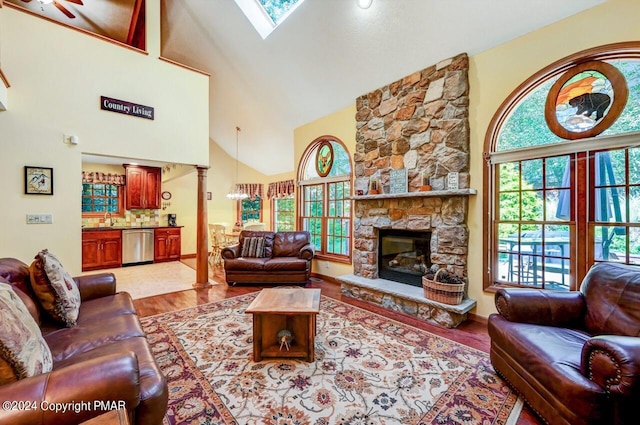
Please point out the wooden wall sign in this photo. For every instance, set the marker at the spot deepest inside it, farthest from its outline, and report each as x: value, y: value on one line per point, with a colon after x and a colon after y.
x: 127, y: 108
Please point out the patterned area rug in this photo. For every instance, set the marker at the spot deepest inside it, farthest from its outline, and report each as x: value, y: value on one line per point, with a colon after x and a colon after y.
x: 369, y: 370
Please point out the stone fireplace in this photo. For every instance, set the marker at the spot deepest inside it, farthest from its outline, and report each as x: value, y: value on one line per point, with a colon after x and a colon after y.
x: 420, y: 124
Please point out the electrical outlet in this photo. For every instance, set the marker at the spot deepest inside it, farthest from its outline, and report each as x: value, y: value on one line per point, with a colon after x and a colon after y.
x: 39, y: 218
x: 326, y: 264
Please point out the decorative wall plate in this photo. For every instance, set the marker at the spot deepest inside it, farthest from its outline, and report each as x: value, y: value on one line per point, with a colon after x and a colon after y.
x: 324, y: 158
x: 166, y: 195
x: 586, y: 100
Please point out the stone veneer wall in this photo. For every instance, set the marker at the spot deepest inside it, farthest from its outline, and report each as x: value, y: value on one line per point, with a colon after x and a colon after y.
x: 419, y: 123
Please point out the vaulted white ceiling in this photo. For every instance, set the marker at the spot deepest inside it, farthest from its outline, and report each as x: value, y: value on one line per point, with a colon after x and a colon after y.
x: 327, y: 53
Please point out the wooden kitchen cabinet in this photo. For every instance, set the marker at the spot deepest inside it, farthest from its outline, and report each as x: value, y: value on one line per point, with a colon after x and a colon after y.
x: 101, y: 249
x: 142, y: 190
x: 166, y: 244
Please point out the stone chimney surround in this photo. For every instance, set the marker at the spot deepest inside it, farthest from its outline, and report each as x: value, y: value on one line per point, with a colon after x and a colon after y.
x: 419, y: 123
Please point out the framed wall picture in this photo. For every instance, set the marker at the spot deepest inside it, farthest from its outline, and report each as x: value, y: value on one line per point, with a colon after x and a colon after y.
x: 38, y: 180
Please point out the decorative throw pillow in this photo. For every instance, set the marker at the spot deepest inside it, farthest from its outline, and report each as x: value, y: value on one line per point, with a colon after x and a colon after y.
x: 55, y: 288
x: 253, y: 247
x: 23, y: 350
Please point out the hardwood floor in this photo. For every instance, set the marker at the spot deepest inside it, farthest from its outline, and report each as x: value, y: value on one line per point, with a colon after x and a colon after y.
x: 471, y: 333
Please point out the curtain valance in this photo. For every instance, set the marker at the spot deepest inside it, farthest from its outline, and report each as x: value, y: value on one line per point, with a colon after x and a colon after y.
x: 254, y: 190
x: 281, y: 189
x: 103, y: 178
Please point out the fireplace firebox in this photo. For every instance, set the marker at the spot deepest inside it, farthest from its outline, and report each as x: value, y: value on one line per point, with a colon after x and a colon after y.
x: 404, y: 255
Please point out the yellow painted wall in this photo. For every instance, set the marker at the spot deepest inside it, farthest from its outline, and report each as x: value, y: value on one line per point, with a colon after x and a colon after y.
x: 221, y: 178
x: 57, y: 76
x: 340, y: 124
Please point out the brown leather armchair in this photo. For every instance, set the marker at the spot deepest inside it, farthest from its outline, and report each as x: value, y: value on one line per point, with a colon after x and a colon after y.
x: 573, y: 356
x: 286, y: 259
x: 105, y: 357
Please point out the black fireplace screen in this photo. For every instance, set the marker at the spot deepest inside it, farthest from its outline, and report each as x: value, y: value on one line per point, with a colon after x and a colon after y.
x: 403, y: 255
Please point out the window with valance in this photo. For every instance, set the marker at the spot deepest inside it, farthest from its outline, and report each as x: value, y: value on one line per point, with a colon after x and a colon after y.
x: 250, y: 209
x: 282, y: 205
x: 102, y: 193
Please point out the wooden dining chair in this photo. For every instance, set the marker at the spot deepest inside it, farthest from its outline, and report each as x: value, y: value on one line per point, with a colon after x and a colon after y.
x: 218, y: 237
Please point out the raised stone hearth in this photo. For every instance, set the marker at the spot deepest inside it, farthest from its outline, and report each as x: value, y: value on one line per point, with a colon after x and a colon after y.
x: 405, y: 299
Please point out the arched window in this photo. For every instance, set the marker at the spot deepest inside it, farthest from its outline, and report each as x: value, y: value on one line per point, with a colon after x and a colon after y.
x: 563, y: 177
x: 324, y: 176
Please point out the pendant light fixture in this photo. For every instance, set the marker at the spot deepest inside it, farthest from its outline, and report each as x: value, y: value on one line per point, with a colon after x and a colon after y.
x: 235, y: 193
x: 364, y: 4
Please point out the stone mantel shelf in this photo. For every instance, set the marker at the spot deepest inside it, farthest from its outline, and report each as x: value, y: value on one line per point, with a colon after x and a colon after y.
x: 431, y: 193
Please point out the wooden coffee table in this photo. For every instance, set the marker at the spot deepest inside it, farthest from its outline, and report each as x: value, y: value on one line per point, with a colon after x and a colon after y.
x: 277, y: 309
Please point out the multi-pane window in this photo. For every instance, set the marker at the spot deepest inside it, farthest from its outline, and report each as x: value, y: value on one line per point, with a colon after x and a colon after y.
x: 101, y: 198
x: 312, y: 213
x: 532, y: 222
x: 284, y: 214
x: 325, y: 207
x: 250, y: 209
x: 338, y: 218
x: 559, y: 204
x: 615, y: 217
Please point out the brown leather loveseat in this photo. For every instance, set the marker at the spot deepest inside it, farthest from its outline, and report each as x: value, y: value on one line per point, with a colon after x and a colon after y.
x: 573, y: 356
x: 102, y: 362
x: 278, y: 257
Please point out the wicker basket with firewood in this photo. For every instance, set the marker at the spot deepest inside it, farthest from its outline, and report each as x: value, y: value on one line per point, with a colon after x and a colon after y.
x: 443, y: 287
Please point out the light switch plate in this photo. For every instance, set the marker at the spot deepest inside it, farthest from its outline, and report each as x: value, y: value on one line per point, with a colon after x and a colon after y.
x: 39, y: 218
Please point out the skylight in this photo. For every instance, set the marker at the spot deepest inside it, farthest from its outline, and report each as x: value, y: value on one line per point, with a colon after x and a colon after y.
x: 266, y: 15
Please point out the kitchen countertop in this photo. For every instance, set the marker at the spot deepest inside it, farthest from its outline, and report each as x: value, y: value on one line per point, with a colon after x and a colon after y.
x: 93, y: 229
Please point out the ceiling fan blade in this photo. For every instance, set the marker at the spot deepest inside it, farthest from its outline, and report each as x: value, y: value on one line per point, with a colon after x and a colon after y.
x: 63, y: 9
x: 75, y: 1
x: 26, y: 1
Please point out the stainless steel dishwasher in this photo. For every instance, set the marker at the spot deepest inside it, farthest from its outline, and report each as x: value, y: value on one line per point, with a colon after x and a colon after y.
x: 137, y: 246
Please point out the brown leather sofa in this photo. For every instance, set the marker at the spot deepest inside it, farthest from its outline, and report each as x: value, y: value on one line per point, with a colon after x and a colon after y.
x: 287, y: 259
x: 573, y: 356
x: 104, y: 357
